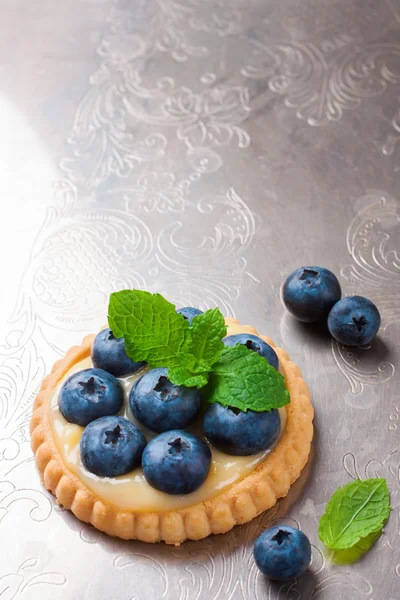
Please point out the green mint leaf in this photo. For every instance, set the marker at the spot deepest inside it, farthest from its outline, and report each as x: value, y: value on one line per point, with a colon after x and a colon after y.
x: 190, y: 373
x: 152, y: 329
x: 184, y: 376
x: 353, y: 554
x: 243, y: 379
x: 207, y: 331
x: 354, y: 512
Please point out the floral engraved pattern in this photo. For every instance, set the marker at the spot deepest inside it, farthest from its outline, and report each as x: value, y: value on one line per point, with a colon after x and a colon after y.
x: 20, y: 378
x: 373, y: 244
x: 165, y: 186
x: 230, y: 227
x: 21, y: 582
x: 155, y: 191
x: 210, y: 118
x: 319, y: 87
x: 36, y: 503
x: 78, y: 265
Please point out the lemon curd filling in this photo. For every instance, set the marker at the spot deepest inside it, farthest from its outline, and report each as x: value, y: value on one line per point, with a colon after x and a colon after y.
x: 131, y: 491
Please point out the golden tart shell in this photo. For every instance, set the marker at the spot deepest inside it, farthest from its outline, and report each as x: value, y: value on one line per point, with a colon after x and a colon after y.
x: 240, y: 503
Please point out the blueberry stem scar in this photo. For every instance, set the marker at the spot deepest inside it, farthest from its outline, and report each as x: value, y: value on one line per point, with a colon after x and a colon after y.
x: 167, y: 390
x: 360, y: 322
x: 308, y: 273
x: 89, y: 386
x: 113, y: 435
x: 161, y: 384
x: 177, y: 445
x: 281, y: 536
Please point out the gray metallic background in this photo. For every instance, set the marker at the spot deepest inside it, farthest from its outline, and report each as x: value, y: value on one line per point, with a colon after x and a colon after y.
x: 202, y: 149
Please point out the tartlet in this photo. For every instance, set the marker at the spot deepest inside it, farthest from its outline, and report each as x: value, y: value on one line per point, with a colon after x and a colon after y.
x: 237, y: 504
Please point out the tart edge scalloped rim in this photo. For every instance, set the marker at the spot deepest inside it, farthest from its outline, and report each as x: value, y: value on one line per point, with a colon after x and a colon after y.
x: 240, y: 503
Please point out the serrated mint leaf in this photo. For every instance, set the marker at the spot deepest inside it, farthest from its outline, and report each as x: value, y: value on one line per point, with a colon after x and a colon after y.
x: 152, y: 329
x: 243, y: 379
x: 354, y: 512
x: 206, y: 333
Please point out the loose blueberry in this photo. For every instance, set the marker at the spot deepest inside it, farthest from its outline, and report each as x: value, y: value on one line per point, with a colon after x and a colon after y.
x: 240, y: 433
x: 354, y: 321
x: 254, y: 343
x: 189, y: 313
x: 282, y: 553
x: 176, y: 462
x: 310, y: 292
x: 90, y: 394
x: 161, y: 405
x: 112, y: 446
x: 108, y: 353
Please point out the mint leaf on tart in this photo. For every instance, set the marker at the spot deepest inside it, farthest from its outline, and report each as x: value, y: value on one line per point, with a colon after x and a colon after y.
x: 152, y: 329
x: 155, y: 333
x: 243, y: 379
x: 355, y: 512
x: 191, y: 372
x: 183, y: 376
x: 206, y: 333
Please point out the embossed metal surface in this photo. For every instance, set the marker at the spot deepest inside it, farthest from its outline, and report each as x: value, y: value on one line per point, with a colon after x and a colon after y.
x: 202, y: 149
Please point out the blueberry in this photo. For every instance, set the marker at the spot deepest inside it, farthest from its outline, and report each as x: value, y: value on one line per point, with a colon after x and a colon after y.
x: 354, y: 321
x: 90, y: 394
x: 161, y: 405
x: 240, y: 433
x: 282, y: 553
x: 176, y: 462
x: 256, y: 344
x: 189, y: 313
x: 108, y: 353
x: 112, y: 446
x: 310, y: 292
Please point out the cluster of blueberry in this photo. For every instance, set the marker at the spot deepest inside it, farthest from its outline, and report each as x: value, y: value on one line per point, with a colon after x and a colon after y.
x: 176, y: 461
x: 313, y: 293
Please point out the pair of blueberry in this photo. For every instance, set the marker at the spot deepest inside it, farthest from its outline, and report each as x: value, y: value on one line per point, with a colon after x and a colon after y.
x: 162, y: 406
x: 175, y: 462
x: 313, y: 293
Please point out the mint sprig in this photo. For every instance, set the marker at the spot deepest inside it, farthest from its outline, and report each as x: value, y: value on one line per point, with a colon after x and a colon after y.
x: 195, y: 356
x: 152, y: 329
x: 355, y: 512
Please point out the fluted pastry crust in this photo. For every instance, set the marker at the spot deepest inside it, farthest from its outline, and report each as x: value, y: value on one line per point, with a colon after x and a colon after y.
x: 240, y: 503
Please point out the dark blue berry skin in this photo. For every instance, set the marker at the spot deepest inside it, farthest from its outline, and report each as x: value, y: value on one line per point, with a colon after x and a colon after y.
x: 354, y: 321
x: 310, y: 292
x: 112, y: 446
x: 108, y: 353
x: 90, y: 394
x: 160, y: 405
x: 240, y: 433
x: 282, y: 553
x: 189, y: 313
x: 176, y: 462
x: 256, y: 344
